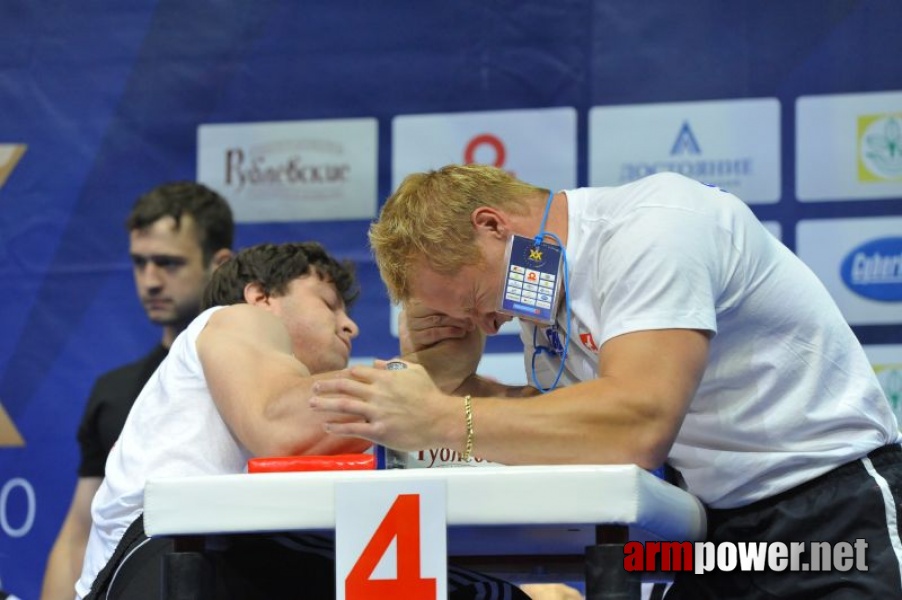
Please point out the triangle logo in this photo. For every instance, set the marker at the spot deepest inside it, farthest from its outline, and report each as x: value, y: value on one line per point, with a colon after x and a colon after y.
x: 9, y: 435
x: 9, y: 158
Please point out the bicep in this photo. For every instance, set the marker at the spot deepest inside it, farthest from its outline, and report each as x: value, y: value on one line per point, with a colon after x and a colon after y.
x: 659, y: 369
x: 246, y: 362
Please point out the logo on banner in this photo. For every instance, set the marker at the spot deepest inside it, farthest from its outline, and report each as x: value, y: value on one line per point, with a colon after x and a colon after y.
x: 309, y: 168
x: 9, y: 434
x: 505, y: 139
x: 293, y: 170
x: 880, y: 148
x: 10, y: 154
x: 486, y: 143
x: 685, y: 142
x: 687, y: 159
x: 874, y: 269
x: 733, y: 144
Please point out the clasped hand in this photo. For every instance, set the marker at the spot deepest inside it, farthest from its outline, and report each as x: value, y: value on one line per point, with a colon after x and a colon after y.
x: 420, y: 327
x: 402, y: 409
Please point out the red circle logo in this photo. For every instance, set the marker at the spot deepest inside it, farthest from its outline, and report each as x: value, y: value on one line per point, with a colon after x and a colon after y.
x: 485, y: 139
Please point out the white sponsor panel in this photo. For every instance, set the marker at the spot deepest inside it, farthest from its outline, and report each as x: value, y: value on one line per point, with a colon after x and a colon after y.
x: 292, y: 170
x: 860, y: 263
x: 775, y: 228
x: 887, y: 362
x: 733, y: 144
x: 535, y: 145
x: 849, y: 146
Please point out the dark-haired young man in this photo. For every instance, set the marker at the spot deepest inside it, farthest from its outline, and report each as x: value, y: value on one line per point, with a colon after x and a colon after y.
x: 236, y: 384
x: 179, y: 232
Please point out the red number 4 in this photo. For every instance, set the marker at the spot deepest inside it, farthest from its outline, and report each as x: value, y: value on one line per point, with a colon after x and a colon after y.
x: 402, y: 522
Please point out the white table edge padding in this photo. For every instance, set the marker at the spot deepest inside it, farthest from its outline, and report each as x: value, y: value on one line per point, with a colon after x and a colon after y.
x: 481, y: 496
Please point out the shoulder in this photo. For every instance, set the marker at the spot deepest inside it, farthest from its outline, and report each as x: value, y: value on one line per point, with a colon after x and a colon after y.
x: 668, y: 179
x: 656, y: 191
x: 240, y: 317
x: 662, y: 187
x: 672, y: 196
x: 246, y: 323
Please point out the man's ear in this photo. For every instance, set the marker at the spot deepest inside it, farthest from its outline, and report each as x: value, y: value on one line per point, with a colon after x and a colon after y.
x: 221, y: 255
x: 255, y: 295
x: 490, y: 220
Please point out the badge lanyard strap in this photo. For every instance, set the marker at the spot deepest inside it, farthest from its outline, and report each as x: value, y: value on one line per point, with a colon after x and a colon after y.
x: 540, y: 349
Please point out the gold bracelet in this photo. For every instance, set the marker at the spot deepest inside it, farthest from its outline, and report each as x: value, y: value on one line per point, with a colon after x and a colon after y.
x: 468, y: 412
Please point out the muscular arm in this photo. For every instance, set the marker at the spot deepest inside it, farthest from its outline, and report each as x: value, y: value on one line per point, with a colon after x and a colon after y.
x: 68, y: 552
x: 261, y: 389
x: 476, y: 385
x: 630, y: 413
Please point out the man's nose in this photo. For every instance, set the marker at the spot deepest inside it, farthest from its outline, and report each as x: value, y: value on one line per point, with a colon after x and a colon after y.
x: 149, y: 276
x: 351, y: 327
x: 488, y: 325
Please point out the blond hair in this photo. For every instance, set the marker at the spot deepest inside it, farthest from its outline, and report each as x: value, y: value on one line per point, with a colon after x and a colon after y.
x: 427, y: 221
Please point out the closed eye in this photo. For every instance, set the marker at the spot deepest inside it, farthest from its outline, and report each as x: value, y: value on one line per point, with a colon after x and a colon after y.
x: 161, y: 261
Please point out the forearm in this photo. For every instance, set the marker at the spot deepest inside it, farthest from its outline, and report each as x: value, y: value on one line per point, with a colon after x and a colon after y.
x: 623, y: 416
x: 448, y: 348
x: 583, y: 424
x: 476, y: 385
x: 266, y: 406
x: 289, y: 428
x: 452, y: 362
x: 67, y: 555
x: 63, y: 567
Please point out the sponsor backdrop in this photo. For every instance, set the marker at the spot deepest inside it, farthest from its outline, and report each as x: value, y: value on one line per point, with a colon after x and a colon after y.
x: 307, y: 114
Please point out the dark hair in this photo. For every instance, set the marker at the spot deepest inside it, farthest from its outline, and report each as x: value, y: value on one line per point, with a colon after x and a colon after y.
x: 274, y: 266
x: 210, y: 211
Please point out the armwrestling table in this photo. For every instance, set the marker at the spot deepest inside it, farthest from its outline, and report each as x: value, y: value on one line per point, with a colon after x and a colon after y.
x: 501, y: 519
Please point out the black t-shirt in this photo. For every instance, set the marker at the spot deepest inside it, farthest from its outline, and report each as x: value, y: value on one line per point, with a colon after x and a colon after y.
x: 112, y: 397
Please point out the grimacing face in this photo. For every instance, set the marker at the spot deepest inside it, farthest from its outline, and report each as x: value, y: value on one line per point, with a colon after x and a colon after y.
x: 169, y: 270
x: 317, y: 321
x: 472, y: 294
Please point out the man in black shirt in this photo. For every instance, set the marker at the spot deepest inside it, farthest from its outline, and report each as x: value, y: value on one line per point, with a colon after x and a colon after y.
x: 179, y: 233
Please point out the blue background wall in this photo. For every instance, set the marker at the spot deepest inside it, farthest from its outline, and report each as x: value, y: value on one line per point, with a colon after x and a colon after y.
x: 107, y: 96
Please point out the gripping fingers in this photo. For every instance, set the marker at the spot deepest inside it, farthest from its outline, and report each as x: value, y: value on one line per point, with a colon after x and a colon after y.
x: 355, y: 386
x: 360, y: 430
x: 342, y: 405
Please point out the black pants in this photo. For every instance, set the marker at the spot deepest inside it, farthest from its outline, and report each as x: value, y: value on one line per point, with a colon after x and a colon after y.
x: 859, y: 500
x: 258, y: 567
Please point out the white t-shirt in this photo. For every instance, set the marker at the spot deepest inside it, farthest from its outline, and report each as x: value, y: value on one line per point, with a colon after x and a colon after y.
x: 196, y: 442
x: 788, y: 392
